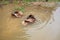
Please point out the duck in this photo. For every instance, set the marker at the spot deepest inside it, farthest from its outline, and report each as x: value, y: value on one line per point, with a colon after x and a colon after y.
x: 29, y: 20
x: 17, y: 14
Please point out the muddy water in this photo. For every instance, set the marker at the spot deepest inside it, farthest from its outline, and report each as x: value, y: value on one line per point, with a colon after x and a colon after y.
x: 12, y: 29
x: 50, y: 32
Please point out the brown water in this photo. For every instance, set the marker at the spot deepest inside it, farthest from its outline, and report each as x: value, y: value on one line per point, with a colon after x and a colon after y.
x: 12, y: 29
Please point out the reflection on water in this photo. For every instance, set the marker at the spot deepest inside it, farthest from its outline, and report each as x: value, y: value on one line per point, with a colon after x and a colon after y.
x: 12, y: 29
